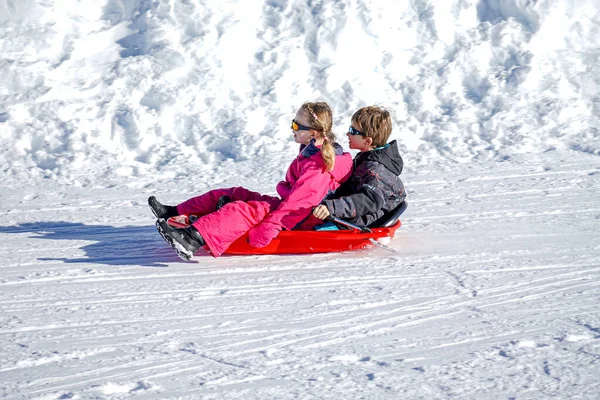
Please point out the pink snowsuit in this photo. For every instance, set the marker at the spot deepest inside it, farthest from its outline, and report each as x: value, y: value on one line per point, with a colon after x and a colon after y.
x: 306, y: 184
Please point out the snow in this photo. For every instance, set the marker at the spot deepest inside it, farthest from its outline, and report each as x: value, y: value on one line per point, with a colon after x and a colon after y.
x: 492, y: 292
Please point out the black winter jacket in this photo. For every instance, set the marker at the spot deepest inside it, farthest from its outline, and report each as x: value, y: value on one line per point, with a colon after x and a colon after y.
x: 373, y: 189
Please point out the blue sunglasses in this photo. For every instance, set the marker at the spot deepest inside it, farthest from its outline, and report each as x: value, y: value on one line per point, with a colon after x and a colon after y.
x: 354, y: 132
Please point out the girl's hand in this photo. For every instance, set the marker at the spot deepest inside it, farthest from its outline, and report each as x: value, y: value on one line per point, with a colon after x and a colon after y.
x: 262, y: 234
x: 321, y: 211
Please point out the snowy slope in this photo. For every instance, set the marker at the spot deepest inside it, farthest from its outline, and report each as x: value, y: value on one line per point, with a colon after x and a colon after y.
x: 492, y: 292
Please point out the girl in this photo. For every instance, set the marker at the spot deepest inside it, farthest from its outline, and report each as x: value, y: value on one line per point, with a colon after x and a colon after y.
x: 320, y: 168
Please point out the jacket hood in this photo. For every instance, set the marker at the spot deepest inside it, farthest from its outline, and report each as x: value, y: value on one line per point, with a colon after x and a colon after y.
x: 388, y: 155
x: 309, y: 150
x: 342, y: 168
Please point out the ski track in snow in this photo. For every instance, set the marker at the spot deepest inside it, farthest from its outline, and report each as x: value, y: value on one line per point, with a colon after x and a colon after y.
x: 493, y: 292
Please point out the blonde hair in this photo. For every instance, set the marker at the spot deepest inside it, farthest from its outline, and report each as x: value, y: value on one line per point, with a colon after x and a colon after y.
x: 321, y: 119
x: 375, y: 122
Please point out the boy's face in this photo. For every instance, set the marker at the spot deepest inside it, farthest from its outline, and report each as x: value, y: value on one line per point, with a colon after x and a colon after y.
x: 359, y: 142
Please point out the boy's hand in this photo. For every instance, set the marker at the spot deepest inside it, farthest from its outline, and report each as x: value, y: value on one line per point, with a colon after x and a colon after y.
x: 321, y: 211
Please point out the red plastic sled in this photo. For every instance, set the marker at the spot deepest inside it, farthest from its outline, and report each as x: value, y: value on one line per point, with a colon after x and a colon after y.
x: 302, y: 242
x: 306, y: 242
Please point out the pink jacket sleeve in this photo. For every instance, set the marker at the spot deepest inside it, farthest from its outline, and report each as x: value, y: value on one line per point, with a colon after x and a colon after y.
x: 308, y: 191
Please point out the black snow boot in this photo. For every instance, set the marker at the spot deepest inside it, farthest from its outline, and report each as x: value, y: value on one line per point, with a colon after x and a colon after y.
x: 161, y: 210
x: 222, y: 201
x: 184, y: 241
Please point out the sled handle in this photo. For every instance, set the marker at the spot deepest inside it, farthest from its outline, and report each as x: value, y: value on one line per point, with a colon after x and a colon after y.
x: 347, y: 224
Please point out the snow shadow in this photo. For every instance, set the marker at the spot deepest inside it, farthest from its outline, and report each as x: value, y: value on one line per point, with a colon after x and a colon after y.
x: 124, y: 245
x: 495, y: 11
x: 136, y: 13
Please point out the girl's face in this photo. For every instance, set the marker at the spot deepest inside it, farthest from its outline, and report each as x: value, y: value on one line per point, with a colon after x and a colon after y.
x: 303, y: 136
x: 359, y: 142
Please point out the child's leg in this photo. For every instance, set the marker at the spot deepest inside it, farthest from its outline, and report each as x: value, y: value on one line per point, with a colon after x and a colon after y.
x: 207, y: 203
x: 223, y: 227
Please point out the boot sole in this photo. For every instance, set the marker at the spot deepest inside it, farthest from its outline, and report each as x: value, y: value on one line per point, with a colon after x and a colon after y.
x: 152, y: 209
x: 181, y: 251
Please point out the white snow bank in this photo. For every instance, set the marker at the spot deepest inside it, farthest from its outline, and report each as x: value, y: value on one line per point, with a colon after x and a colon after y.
x: 106, y: 90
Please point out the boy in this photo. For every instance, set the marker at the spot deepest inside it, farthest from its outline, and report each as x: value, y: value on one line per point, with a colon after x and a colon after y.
x: 374, y: 187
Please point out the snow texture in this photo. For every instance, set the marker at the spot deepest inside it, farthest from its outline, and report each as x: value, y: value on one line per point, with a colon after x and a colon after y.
x: 494, y: 287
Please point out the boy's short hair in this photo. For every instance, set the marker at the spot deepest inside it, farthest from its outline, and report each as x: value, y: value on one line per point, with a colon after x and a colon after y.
x: 375, y: 122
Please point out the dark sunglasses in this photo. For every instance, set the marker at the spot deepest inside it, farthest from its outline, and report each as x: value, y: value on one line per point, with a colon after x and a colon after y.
x: 297, y: 127
x: 353, y: 132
